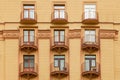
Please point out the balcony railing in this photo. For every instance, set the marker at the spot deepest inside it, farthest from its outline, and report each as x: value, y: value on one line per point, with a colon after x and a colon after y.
x: 59, y: 18
x: 90, y: 43
x: 59, y: 71
x: 90, y: 71
x: 59, y: 44
x: 28, y: 72
x: 28, y: 43
x: 90, y: 17
x: 28, y: 18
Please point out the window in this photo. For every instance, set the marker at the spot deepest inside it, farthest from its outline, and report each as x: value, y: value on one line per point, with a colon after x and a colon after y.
x: 90, y: 35
x: 59, y: 36
x: 29, y: 36
x: 28, y: 61
x: 90, y: 61
x: 90, y: 11
x: 59, y: 11
x: 59, y: 61
x: 29, y: 11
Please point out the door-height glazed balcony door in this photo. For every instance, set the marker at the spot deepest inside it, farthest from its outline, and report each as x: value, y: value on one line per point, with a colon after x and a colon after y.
x: 59, y: 36
x: 28, y: 62
x: 29, y: 11
x: 90, y: 61
x: 59, y: 11
x: 29, y: 36
x: 90, y: 11
x: 90, y: 35
x: 59, y: 62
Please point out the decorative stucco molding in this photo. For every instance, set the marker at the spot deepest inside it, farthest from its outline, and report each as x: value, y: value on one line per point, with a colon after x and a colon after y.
x: 11, y: 34
x: 108, y: 34
x: 74, y: 33
x: 43, y: 34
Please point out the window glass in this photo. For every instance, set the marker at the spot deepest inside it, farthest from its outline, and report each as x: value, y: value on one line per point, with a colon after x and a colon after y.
x: 90, y: 11
x: 90, y: 35
x: 29, y: 11
x: 56, y: 33
x: 29, y: 35
x: 59, y: 35
x: 28, y: 61
x: 90, y: 61
x: 59, y: 11
x: 59, y: 61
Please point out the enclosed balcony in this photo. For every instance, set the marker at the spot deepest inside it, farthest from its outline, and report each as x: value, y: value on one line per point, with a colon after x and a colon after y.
x: 59, y: 44
x: 59, y: 17
x: 28, y: 17
x: 59, y: 71
x: 90, y: 43
x: 90, y: 17
x: 28, y: 43
x: 28, y: 72
x: 90, y: 71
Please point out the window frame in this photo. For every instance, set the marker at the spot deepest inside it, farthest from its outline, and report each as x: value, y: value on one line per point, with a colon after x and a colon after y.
x: 28, y: 36
x: 29, y: 11
x: 59, y: 36
x: 28, y: 61
x: 58, y: 60
x: 90, y: 35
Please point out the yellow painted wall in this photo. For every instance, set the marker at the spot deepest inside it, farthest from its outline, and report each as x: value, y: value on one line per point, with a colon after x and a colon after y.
x: 11, y: 59
x: 2, y: 63
x: 107, y: 60
x: 44, y: 59
x: 74, y: 54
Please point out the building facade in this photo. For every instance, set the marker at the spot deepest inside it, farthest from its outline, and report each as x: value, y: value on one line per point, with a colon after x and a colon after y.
x: 59, y: 40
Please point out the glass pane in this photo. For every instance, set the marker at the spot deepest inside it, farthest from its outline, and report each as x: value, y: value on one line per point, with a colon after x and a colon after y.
x: 32, y: 36
x: 25, y: 36
x: 62, y: 64
x: 56, y: 63
x: 93, y: 63
x: 26, y: 57
x: 89, y: 7
x: 62, y: 36
x: 32, y: 63
x: 26, y: 63
x: 32, y: 14
x: 59, y: 57
x: 92, y: 14
x: 86, y: 35
x: 90, y: 10
x: 87, y: 65
x: 87, y: 15
x: 59, y: 7
x: 56, y: 37
x: 92, y: 35
x: 29, y: 7
x: 31, y: 57
x: 90, y: 56
x: 56, y: 14
x: 92, y: 38
x: 25, y: 32
x: 26, y: 14
x: 62, y: 13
